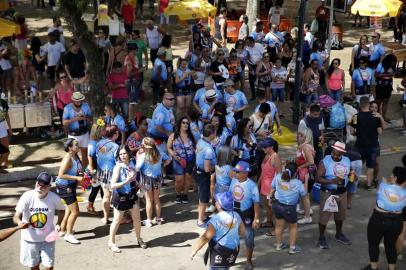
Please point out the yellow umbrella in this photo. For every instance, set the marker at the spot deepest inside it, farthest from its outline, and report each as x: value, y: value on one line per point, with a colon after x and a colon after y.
x: 376, y: 8
x: 8, y: 28
x: 190, y: 9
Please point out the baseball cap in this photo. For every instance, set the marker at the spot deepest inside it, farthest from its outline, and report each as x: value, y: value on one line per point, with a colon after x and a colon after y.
x: 44, y: 178
x: 242, y: 166
x: 228, y: 83
x: 225, y: 199
x: 267, y: 142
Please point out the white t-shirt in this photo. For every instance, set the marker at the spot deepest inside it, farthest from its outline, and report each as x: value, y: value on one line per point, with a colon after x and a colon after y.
x: 257, y: 123
x: 53, y: 52
x: 39, y: 213
x: 275, y: 13
x: 272, y: 112
x: 279, y: 76
x: 255, y: 53
x: 153, y: 37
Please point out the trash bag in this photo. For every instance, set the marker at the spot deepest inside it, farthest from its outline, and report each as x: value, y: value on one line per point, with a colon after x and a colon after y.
x: 337, y: 116
x: 331, y: 204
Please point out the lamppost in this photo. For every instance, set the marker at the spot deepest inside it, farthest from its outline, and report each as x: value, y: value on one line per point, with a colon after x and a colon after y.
x: 299, y: 70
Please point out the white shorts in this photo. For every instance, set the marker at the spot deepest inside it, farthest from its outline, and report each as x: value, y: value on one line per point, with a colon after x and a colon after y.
x: 34, y: 253
x: 83, y: 140
x: 3, y: 129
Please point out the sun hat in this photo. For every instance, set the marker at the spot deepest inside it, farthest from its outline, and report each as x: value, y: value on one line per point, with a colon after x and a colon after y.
x: 44, y: 178
x: 339, y: 146
x: 242, y: 166
x: 267, y: 142
x: 225, y: 199
x: 210, y: 94
x: 77, y: 96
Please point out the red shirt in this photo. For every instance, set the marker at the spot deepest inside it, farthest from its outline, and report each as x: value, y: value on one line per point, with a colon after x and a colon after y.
x: 118, y: 78
x: 128, y: 13
x: 163, y: 4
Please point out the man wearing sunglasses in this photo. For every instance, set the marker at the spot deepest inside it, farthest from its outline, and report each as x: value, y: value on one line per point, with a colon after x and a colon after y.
x: 35, y: 212
x: 376, y: 49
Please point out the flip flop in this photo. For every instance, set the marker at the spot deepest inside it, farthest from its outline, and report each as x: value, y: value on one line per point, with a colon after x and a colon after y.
x: 270, y: 234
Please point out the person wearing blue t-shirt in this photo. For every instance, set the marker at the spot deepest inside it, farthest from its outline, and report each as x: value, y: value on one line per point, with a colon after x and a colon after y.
x: 183, y: 82
x: 287, y: 190
x: 246, y: 203
x: 221, y: 178
x: 235, y: 100
x: 220, y: 109
x: 377, y: 50
x: 363, y: 80
x: 224, y: 228
x: 149, y: 163
x: 387, y: 219
x: 113, y: 118
x: 159, y: 76
x: 77, y: 120
x: 106, y: 150
x: 205, y: 162
x: 332, y: 175
x: 199, y: 98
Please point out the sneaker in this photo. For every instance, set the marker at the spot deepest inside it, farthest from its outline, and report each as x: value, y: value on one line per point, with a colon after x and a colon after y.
x: 295, y: 250
x: 147, y: 223
x: 368, y: 267
x: 300, y: 211
x: 305, y: 220
x: 210, y: 209
x: 114, y: 248
x: 71, y: 239
x: 61, y: 233
x: 280, y: 247
x: 323, y: 243
x: 185, y: 199
x: 343, y: 239
x: 158, y: 221
x: 178, y: 199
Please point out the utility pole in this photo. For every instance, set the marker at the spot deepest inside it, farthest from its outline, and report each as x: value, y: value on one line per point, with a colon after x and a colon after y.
x: 299, y: 70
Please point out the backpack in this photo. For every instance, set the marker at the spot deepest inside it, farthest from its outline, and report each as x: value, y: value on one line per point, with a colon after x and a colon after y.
x: 337, y: 116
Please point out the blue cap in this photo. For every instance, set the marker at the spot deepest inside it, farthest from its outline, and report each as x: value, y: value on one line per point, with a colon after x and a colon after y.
x: 242, y: 166
x: 267, y: 142
x: 225, y: 199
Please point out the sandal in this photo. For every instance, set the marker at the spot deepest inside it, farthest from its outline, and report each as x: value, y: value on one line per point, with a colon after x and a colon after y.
x: 142, y: 244
x: 92, y: 211
x: 270, y: 234
x: 114, y: 248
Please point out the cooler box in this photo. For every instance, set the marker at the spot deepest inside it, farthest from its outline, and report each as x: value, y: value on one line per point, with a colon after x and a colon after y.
x: 315, y: 193
x: 88, y: 18
x: 16, y: 114
x: 38, y: 115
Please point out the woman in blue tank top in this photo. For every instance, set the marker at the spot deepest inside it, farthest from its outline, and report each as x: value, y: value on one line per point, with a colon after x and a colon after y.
x: 70, y: 173
x: 387, y: 219
x: 123, y: 184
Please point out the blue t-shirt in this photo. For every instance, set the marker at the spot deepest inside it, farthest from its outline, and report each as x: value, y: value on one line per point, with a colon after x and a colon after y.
x: 223, y: 178
x: 118, y: 120
x: 230, y: 122
x: 320, y: 57
x: 245, y: 193
x: 186, y: 82
x: 164, y: 73
x: 91, y: 150
x: 274, y: 39
x: 200, y: 96
x: 147, y: 168
x: 204, y: 151
x: 377, y: 51
x: 360, y: 75
x: 196, y: 129
x: 123, y: 174
x: 163, y: 117
x: 205, y: 108
x: 74, y: 170
x: 336, y: 169
x: 106, y: 154
x: 288, y: 192
x: 238, y: 144
x: 226, y: 223
x: 235, y: 101
x: 391, y: 198
x: 70, y: 113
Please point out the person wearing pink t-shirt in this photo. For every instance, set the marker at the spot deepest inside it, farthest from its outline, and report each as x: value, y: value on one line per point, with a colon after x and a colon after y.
x: 117, y: 80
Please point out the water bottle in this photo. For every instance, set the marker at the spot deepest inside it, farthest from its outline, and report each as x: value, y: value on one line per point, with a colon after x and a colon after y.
x: 33, y: 91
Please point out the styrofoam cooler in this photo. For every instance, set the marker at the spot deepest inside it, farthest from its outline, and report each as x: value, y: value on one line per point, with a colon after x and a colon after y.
x: 316, y: 192
x: 16, y: 114
x: 38, y: 115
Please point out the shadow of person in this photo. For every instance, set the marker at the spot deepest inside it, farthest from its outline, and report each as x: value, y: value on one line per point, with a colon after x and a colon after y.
x: 173, y: 240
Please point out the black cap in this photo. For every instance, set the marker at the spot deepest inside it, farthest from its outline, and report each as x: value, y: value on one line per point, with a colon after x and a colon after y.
x: 44, y: 178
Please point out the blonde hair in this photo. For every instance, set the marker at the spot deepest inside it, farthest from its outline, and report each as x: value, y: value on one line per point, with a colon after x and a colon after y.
x: 308, y: 134
x: 151, y: 152
x: 96, y: 132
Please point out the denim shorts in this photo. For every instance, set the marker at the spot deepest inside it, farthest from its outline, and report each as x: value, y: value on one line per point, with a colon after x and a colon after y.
x: 179, y: 170
x: 369, y: 155
x: 284, y: 211
x: 249, y: 237
x: 34, y: 253
x: 278, y: 94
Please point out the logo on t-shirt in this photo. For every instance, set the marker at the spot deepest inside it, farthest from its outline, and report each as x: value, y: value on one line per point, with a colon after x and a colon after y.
x: 340, y: 170
x: 238, y: 193
x: 38, y: 220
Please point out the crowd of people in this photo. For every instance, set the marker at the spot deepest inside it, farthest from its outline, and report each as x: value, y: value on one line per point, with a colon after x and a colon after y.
x: 204, y: 133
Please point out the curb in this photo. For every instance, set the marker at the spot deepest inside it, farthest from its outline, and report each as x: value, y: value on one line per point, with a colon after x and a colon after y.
x: 28, y: 172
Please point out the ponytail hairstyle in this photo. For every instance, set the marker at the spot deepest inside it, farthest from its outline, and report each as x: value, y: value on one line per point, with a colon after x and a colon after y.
x: 289, y: 171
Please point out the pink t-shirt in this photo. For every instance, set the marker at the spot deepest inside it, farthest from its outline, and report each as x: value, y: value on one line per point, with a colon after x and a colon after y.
x: 267, y: 175
x: 334, y: 81
x: 64, y: 97
x: 118, y: 78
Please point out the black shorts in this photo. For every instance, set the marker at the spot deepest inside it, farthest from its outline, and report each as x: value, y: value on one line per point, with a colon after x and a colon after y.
x: 284, y: 211
x: 383, y: 91
x: 70, y: 200
x: 51, y: 71
x: 66, y: 191
x: 122, y: 201
x: 368, y: 155
x: 3, y: 149
x: 203, y: 186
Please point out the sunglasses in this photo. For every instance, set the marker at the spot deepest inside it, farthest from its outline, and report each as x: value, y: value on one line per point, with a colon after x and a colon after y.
x: 374, y: 36
x: 336, y: 63
x: 42, y: 185
x: 185, y: 122
x: 63, y: 77
x: 171, y: 99
x: 266, y: 56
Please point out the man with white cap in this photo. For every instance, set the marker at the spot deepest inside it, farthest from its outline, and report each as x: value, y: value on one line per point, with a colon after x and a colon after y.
x: 77, y: 119
x: 235, y: 100
x: 207, y: 106
x: 199, y: 97
x: 332, y: 175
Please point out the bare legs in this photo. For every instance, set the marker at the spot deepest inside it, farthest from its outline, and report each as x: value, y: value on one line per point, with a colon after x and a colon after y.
x: 106, y: 205
x: 71, y: 214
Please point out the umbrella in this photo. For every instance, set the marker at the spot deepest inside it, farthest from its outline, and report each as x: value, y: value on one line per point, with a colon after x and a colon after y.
x: 8, y: 28
x: 190, y: 9
x: 377, y: 8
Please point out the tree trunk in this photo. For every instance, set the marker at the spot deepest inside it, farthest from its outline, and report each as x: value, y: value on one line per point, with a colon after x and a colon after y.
x: 72, y: 11
x: 252, y: 13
